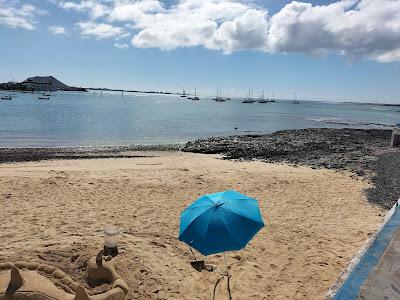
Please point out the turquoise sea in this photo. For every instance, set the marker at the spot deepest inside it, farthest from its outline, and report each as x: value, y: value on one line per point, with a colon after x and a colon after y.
x: 85, y: 119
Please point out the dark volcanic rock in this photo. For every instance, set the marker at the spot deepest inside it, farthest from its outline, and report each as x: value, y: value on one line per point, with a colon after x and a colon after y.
x: 331, y: 148
x: 364, y: 152
x: 35, y: 154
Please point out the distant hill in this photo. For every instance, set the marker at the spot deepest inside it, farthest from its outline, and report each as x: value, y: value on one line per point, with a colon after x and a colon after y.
x: 57, y: 84
x: 47, y: 83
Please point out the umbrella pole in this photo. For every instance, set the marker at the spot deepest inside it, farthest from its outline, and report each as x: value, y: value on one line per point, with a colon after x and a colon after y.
x: 226, y: 264
x: 227, y: 276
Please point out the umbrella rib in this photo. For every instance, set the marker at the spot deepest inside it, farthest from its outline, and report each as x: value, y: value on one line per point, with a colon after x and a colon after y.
x: 201, y: 205
x: 232, y: 237
x: 244, y: 215
x: 195, y: 205
x: 196, y: 219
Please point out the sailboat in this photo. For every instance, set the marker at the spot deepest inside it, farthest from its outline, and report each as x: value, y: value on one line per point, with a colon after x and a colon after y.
x: 262, y: 99
x: 295, y: 99
x: 183, y: 94
x: 218, y: 97
x: 249, y: 98
x: 273, y: 97
x: 195, y: 98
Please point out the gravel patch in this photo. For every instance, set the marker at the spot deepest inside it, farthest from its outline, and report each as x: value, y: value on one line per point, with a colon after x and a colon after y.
x: 386, y: 179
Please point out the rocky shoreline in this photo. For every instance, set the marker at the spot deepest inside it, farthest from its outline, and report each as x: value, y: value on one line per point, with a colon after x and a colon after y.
x: 363, y: 152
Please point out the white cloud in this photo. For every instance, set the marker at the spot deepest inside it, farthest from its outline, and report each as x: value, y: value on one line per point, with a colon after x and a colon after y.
x: 93, y: 7
x: 101, y: 30
x: 136, y: 11
x: 58, y: 30
x: 214, y: 24
x: 244, y: 32
x: 16, y: 15
x: 121, y: 46
x: 355, y: 29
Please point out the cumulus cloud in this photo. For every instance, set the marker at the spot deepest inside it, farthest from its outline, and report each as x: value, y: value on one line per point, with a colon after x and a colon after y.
x: 58, y: 30
x: 16, y: 15
x: 355, y: 29
x: 101, y: 30
x: 121, y: 46
x: 247, y: 31
x: 93, y: 7
x: 215, y: 24
x: 139, y: 12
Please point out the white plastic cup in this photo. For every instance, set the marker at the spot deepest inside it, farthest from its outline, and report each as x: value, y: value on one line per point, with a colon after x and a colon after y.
x: 111, y: 236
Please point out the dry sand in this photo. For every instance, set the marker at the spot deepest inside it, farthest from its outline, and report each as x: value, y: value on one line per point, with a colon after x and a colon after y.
x: 316, y: 221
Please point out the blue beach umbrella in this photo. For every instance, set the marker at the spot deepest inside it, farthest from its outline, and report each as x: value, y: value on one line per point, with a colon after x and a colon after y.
x: 219, y: 222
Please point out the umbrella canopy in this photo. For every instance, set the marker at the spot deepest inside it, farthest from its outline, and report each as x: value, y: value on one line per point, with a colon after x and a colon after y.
x: 220, y: 222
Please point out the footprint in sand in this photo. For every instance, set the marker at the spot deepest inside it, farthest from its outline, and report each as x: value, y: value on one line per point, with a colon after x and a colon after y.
x: 7, y: 196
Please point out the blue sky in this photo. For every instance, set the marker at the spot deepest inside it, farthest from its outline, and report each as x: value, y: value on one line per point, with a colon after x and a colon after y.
x: 328, y: 50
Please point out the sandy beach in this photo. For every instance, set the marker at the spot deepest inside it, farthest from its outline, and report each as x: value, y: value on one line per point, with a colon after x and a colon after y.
x: 316, y: 220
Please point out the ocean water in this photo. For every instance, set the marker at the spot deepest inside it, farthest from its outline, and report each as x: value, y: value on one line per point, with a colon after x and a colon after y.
x: 84, y: 119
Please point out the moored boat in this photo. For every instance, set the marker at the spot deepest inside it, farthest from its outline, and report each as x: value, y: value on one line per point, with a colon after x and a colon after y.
x: 218, y: 97
x: 249, y: 98
x: 7, y: 97
x: 295, y: 101
x: 183, y: 94
x: 195, y: 98
x: 262, y: 99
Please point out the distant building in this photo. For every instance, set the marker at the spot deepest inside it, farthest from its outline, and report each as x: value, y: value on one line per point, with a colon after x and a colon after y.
x: 11, y: 85
x: 32, y: 85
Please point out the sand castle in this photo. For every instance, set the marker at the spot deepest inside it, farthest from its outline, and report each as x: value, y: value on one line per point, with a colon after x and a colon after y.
x: 29, y: 280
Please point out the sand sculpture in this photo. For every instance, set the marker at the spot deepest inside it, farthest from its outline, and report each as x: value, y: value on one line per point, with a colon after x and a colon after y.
x: 29, y: 280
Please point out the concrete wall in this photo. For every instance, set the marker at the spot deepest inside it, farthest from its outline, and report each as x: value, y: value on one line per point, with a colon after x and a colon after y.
x: 395, y: 137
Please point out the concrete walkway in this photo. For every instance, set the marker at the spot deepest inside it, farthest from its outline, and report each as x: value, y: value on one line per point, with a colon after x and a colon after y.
x: 376, y: 273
